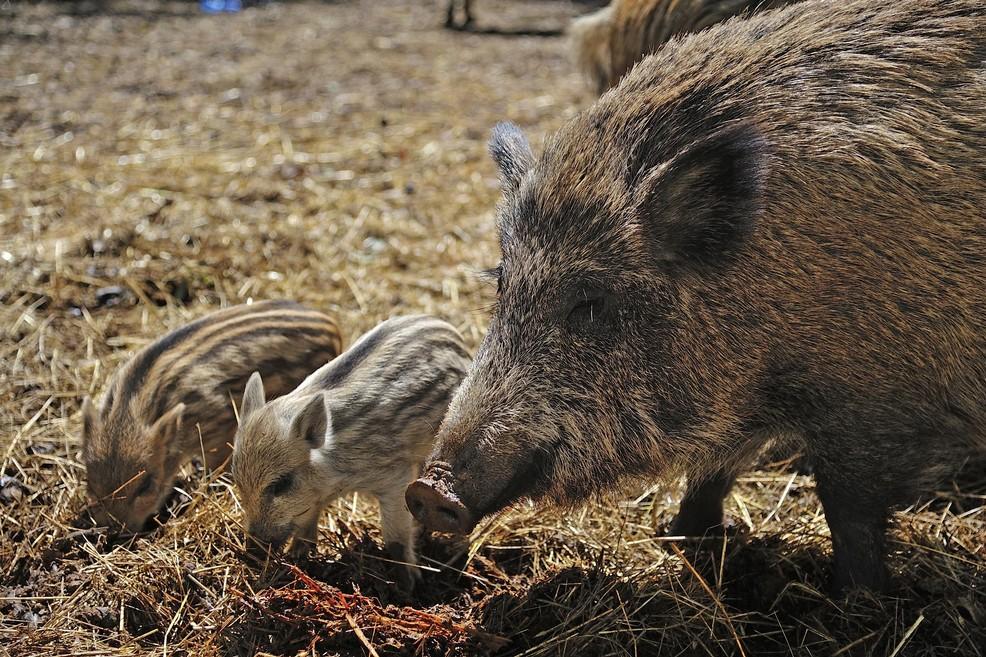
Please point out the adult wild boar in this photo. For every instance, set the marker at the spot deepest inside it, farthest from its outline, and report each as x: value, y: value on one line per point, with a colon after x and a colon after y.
x: 610, y: 41
x: 774, y: 228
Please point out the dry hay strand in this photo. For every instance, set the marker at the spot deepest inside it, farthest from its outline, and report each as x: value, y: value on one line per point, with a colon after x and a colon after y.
x: 334, y: 153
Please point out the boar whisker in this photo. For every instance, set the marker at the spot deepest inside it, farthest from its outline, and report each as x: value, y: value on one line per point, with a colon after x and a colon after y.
x: 445, y: 566
x: 402, y: 562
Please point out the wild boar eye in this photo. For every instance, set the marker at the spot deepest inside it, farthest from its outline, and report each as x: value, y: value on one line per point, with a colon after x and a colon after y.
x: 587, y: 310
x: 280, y: 486
x: 145, y: 486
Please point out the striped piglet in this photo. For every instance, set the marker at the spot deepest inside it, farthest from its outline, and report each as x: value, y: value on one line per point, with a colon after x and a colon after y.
x: 172, y: 401
x: 362, y: 423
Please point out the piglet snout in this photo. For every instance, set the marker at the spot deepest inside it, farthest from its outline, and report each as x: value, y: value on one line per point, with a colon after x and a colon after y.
x: 261, y: 550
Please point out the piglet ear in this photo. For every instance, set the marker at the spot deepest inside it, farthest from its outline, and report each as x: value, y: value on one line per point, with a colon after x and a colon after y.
x: 90, y: 424
x: 253, y: 397
x: 512, y: 153
x: 699, y: 206
x: 165, y: 433
x: 313, y: 422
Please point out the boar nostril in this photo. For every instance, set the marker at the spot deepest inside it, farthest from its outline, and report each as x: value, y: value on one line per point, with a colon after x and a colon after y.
x: 437, y: 510
x: 451, y: 515
x: 416, y: 507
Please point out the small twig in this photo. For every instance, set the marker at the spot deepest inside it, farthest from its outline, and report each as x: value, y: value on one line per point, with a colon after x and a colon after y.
x: 24, y: 429
x: 174, y: 621
x: 787, y: 489
x: 907, y: 635
x: 715, y: 598
x: 850, y: 646
x: 361, y: 636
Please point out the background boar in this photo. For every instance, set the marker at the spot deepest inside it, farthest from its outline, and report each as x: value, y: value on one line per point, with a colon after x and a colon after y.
x: 467, y: 17
x: 774, y: 228
x: 364, y: 422
x: 610, y: 41
x: 172, y: 401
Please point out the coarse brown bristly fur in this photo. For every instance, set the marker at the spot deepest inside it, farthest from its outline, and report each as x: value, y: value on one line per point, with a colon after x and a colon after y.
x: 172, y: 401
x: 610, y: 41
x: 774, y: 228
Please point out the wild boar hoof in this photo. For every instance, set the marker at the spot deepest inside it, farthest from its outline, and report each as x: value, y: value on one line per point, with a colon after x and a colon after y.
x: 691, y: 526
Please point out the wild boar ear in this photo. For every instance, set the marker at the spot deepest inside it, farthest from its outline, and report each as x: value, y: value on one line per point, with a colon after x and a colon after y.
x: 253, y: 397
x: 312, y: 423
x: 164, y: 432
x: 700, y: 205
x: 512, y: 153
x: 90, y: 424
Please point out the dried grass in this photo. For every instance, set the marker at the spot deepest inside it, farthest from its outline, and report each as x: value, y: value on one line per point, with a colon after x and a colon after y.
x: 157, y: 163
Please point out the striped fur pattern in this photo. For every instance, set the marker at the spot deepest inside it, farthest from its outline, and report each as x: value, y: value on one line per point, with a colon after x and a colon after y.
x: 364, y: 423
x: 172, y: 401
x: 609, y: 42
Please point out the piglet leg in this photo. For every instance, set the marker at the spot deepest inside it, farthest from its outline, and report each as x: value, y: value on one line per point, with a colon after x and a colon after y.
x: 397, y: 527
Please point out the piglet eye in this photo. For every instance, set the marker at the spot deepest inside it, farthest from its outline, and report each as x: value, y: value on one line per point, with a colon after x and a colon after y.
x: 280, y: 486
x: 146, y: 484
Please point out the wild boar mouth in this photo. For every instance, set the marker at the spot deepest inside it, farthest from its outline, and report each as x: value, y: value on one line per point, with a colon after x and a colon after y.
x: 530, y: 480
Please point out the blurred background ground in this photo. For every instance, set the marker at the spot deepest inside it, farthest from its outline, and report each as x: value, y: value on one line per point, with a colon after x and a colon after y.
x: 156, y: 163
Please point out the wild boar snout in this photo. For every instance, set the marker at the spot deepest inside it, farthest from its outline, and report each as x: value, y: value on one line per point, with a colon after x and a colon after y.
x: 435, y: 505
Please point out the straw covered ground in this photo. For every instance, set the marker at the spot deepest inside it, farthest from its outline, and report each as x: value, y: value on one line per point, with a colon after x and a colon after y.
x: 157, y: 164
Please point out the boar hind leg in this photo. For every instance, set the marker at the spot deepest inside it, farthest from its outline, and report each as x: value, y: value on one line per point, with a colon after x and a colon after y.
x: 700, y: 513
x: 397, y: 527
x: 858, y: 524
